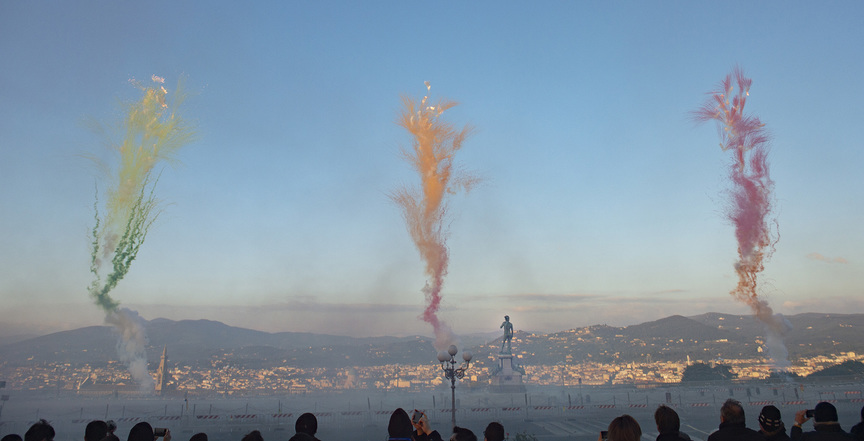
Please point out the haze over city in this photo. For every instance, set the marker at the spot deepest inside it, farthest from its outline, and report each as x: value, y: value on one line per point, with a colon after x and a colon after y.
x: 601, y: 200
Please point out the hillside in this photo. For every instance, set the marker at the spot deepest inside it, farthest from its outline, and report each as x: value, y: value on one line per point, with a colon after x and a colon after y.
x: 708, y: 336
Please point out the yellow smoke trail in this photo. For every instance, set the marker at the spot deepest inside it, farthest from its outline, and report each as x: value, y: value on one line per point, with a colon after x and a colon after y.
x: 153, y: 132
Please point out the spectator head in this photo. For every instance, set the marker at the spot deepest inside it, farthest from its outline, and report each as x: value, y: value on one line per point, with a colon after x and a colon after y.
x: 200, y: 436
x: 253, y: 436
x: 95, y: 430
x: 111, y: 437
x: 624, y: 428
x: 306, y: 423
x: 862, y: 413
x: 12, y: 437
x: 40, y: 431
x: 400, y: 424
x: 731, y: 412
x: 494, y: 432
x: 462, y: 434
x: 142, y: 431
x: 825, y: 412
x: 667, y: 419
x: 770, y: 420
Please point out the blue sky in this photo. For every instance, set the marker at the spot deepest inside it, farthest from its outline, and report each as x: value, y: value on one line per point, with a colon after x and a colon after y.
x: 602, y: 202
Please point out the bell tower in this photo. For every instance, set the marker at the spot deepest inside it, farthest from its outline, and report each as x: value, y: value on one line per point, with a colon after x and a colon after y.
x: 162, y: 372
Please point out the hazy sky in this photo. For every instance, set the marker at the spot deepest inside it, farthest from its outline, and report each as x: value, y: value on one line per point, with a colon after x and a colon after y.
x: 602, y: 201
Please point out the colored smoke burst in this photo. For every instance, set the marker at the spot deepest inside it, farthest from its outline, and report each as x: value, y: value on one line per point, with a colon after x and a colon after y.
x: 751, y: 198
x: 434, y: 145
x: 151, y: 132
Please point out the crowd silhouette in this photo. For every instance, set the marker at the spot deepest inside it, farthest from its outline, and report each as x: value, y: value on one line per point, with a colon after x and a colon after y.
x: 416, y: 427
x: 733, y: 425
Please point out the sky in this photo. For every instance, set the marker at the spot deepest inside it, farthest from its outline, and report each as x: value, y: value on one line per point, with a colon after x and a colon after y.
x: 602, y: 202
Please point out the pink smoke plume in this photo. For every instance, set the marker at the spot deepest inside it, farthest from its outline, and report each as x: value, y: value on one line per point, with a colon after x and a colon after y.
x: 751, y: 195
x: 434, y: 145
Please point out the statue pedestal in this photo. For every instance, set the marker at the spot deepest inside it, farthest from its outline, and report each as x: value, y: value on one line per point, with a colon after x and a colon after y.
x: 507, y: 377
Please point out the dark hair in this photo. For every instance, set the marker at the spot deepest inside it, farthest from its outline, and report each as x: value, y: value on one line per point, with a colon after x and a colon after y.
x: 667, y: 419
x: 624, y: 428
x: 253, y: 436
x: 494, y: 432
x: 95, y: 430
x: 462, y: 434
x: 40, y: 431
x: 142, y: 431
x: 825, y: 412
x: 200, y: 436
x: 400, y: 424
x: 732, y: 412
x: 12, y: 437
x: 306, y: 423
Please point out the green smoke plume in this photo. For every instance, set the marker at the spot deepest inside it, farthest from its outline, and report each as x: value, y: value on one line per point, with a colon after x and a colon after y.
x: 151, y: 132
x: 141, y: 217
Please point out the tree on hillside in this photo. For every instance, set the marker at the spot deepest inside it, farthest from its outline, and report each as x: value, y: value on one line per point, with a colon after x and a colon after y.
x: 704, y: 372
x: 783, y: 376
x: 845, y: 369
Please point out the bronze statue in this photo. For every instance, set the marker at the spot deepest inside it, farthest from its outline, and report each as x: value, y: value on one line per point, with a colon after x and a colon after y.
x: 508, y: 335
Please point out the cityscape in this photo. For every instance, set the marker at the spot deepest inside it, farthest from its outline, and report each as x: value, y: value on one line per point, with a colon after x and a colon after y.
x: 573, y: 381
x: 221, y: 376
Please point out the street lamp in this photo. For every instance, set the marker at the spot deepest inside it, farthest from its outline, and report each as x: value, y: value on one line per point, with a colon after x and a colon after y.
x: 3, y: 398
x: 451, y: 372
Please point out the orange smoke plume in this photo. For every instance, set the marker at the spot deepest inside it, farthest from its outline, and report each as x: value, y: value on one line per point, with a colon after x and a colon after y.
x: 435, y: 143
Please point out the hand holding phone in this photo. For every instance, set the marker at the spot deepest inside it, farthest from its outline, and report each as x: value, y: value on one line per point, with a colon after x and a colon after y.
x: 161, y: 432
x: 416, y: 416
x: 421, y: 422
x: 802, y: 416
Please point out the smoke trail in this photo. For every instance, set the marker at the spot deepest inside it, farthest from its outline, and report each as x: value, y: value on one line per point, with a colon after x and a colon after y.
x: 151, y: 132
x: 132, y: 345
x: 425, y: 211
x: 751, y: 197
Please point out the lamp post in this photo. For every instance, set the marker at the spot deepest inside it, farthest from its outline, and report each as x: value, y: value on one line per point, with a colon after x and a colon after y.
x: 451, y: 372
x: 3, y: 398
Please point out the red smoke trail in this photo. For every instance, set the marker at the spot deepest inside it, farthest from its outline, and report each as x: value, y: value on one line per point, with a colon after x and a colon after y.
x: 751, y: 193
x: 434, y: 146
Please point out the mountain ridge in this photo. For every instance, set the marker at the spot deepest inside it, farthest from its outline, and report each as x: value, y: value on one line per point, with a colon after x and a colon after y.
x: 708, y: 336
